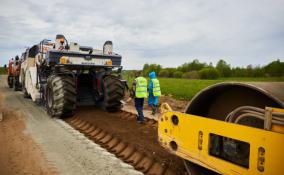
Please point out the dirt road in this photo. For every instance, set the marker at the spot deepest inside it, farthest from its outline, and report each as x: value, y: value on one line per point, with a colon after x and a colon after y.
x: 33, y: 143
x: 19, y: 154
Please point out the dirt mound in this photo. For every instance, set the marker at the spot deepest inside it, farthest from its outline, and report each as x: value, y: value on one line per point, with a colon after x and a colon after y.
x: 177, y: 105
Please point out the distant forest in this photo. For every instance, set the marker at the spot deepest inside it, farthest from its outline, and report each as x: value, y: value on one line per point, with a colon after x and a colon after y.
x: 3, y: 70
x: 201, y: 70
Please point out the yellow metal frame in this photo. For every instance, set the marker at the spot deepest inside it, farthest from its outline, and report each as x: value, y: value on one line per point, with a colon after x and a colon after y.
x: 186, y: 134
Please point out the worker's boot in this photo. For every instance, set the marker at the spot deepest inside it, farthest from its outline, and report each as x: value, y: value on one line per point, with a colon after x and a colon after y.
x: 153, y: 109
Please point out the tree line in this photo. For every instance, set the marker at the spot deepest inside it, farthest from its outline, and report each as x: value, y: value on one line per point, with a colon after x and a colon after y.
x: 200, y: 70
x: 3, y: 70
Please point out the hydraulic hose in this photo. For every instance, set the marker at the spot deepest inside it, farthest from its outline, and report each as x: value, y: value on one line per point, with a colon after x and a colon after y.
x: 243, y: 112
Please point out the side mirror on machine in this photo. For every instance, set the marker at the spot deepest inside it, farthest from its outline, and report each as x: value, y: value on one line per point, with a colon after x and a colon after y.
x: 67, y: 47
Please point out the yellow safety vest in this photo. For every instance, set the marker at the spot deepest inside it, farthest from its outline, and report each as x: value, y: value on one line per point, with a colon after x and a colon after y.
x: 141, y: 87
x: 156, y: 87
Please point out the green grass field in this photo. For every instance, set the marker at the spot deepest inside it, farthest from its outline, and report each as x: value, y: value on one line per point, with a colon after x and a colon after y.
x: 3, y: 70
x: 185, y: 89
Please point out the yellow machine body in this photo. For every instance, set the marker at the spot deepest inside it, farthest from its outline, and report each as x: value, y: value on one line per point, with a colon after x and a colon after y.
x: 188, y: 136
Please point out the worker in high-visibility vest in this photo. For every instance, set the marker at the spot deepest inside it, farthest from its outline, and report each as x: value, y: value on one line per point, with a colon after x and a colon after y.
x: 139, y: 88
x: 154, y: 92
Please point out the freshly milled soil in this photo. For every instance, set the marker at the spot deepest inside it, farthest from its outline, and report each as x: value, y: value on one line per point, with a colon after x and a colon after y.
x: 143, y: 137
x: 176, y: 105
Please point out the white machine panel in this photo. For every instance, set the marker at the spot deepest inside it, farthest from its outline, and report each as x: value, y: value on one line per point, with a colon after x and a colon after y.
x: 83, y: 61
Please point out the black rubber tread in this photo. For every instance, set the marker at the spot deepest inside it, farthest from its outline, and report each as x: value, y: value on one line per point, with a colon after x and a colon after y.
x: 63, y: 92
x: 10, y: 81
x: 17, y: 86
x: 26, y: 95
x: 113, y: 93
x: 24, y: 90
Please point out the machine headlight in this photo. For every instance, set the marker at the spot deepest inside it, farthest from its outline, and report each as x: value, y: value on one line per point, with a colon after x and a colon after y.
x: 109, y: 63
x: 63, y: 60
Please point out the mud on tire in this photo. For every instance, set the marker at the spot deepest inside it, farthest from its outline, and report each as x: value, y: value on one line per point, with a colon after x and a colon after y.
x: 60, y: 96
x: 113, y: 93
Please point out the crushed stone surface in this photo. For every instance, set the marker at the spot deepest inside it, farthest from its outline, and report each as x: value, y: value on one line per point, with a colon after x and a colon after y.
x: 65, y: 149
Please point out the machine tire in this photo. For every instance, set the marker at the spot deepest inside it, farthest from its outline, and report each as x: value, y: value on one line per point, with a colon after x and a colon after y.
x: 16, y: 84
x: 113, y: 93
x: 61, y: 96
x: 24, y: 90
x: 26, y: 95
x: 10, y: 81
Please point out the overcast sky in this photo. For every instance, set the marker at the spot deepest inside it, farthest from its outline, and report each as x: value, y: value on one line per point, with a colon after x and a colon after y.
x: 167, y: 32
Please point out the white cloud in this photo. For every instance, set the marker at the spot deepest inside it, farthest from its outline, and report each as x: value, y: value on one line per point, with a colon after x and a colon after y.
x: 166, y: 32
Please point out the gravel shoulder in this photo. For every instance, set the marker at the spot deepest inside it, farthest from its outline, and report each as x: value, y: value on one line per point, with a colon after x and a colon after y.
x: 65, y: 150
x: 19, y: 154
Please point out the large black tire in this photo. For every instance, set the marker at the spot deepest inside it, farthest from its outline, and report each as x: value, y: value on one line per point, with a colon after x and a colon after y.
x: 113, y: 93
x: 24, y: 90
x: 60, y: 96
x: 10, y: 81
x: 17, y: 85
x: 26, y: 95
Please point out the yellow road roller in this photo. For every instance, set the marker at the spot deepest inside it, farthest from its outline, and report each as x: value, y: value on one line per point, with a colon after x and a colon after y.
x: 228, y: 128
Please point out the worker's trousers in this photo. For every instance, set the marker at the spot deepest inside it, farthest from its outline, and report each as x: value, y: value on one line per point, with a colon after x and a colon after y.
x: 139, y: 107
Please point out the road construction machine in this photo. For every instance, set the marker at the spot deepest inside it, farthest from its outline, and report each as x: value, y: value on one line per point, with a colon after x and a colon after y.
x: 13, y: 71
x: 62, y: 75
x: 228, y: 128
